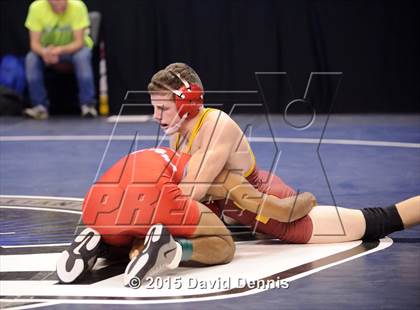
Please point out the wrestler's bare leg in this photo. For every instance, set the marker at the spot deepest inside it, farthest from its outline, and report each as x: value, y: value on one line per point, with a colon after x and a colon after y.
x: 237, y: 188
x: 331, y: 224
x: 212, y: 242
x: 409, y: 210
x: 335, y: 224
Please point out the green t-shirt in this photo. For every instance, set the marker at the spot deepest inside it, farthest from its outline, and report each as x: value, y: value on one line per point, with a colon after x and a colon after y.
x: 57, y: 29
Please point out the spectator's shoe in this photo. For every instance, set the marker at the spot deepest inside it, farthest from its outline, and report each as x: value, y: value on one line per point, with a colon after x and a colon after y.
x: 160, y: 253
x: 80, y: 257
x: 37, y: 112
x: 88, y: 111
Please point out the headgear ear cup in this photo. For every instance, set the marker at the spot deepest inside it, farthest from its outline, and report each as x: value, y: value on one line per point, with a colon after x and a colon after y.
x: 190, y: 101
x: 189, y: 98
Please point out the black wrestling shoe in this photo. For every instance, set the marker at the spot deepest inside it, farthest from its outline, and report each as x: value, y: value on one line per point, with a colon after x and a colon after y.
x: 80, y: 257
x: 160, y: 253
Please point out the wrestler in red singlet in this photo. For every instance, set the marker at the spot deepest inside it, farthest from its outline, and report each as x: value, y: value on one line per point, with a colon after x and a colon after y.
x: 141, y: 190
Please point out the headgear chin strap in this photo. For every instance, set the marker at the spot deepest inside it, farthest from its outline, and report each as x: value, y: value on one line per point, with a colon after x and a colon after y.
x: 173, y: 129
x: 188, y: 99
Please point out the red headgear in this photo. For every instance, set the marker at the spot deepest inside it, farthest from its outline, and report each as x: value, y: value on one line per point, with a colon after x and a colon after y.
x: 188, y: 99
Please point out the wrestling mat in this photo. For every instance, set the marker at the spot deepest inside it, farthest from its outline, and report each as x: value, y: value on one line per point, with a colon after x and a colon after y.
x: 46, y: 225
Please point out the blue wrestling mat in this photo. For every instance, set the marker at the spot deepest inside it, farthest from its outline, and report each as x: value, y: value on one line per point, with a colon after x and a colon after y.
x: 352, y: 161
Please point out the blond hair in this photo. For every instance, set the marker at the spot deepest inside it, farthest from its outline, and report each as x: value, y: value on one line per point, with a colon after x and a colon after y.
x: 166, y: 78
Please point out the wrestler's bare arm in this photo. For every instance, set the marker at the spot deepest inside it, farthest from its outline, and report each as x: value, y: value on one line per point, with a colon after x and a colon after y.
x: 237, y: 188
x: 208, y: 161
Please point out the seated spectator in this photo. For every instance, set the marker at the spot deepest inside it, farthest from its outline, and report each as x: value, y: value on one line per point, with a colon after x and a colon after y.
x: 57, y: 30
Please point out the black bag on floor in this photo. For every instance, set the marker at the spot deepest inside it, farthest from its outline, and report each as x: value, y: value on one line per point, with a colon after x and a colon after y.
x: 11, y: 103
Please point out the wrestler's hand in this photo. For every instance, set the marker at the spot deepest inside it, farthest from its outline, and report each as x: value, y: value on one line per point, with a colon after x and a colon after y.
x: 136, y: 248
x: 303, y: 205
x: 311, y: 198
x: 288, y: 209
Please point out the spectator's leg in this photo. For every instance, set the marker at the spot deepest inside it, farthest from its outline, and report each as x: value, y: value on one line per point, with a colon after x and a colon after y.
x: 83, y: 69
x: 34, y: 67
